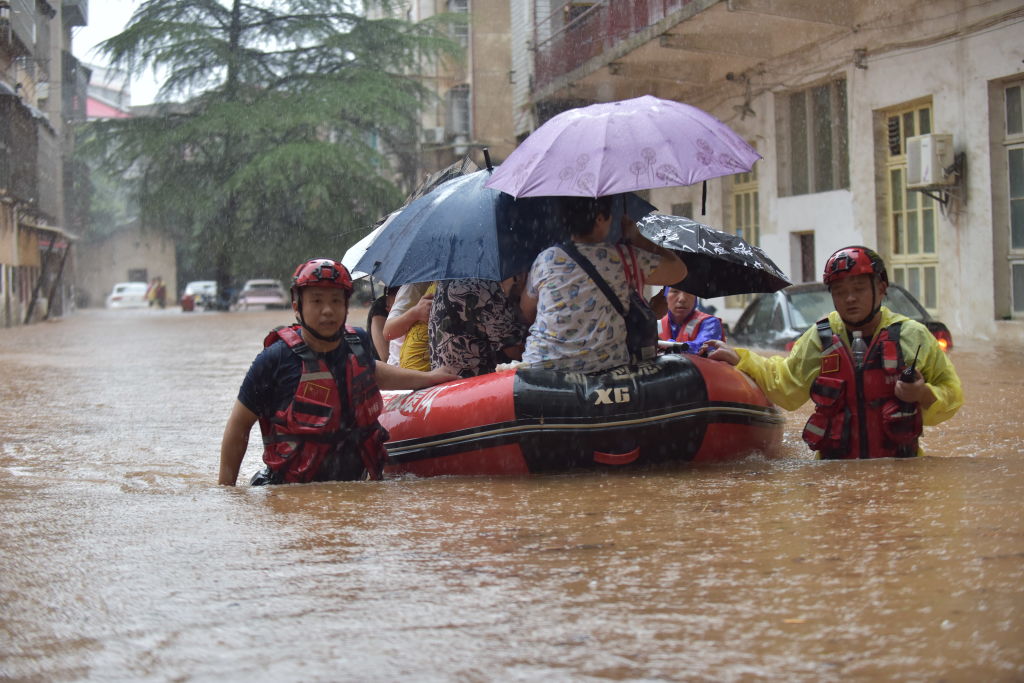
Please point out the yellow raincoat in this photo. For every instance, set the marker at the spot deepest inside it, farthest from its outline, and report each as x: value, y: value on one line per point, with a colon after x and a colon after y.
x: 786, y: 380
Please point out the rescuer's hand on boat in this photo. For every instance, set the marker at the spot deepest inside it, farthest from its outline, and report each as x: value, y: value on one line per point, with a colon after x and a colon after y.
x: 392, y: 377
x: 716, y: 349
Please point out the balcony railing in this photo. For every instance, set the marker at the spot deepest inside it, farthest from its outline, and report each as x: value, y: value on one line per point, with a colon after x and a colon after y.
x: 19, y: 164
x: 576, y: 32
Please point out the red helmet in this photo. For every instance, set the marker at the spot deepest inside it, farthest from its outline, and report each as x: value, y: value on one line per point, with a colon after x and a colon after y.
x: 321, y: 272
x: 851, y: 261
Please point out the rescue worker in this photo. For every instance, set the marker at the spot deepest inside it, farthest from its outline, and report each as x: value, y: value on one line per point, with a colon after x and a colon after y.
x: 315, y: 391
x: 685, y: 323
x: 867, y: 412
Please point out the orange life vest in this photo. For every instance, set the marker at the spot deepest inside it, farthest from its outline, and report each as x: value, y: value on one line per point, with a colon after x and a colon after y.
x: 320, y: 435
x: 857, y: 414
x: 687, y: 331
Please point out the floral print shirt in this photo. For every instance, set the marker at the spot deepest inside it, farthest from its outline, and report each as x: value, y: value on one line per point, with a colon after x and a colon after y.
x: 471, y: 320
x: 577, y: 328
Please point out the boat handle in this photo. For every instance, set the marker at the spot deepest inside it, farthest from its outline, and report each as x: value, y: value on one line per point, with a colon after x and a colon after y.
x: 617, y: 458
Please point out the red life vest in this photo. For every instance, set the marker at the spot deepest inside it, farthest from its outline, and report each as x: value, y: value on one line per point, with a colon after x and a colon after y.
x: 320, y: 433
x: 857, y: 414
x: 688, y: 331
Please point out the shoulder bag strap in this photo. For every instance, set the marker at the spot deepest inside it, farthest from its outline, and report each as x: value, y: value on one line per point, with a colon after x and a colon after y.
x: 634, y: 276
x: 588, y: 267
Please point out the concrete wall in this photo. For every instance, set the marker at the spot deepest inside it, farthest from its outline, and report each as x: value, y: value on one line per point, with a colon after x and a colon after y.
x: 106, y: 261
x: 490, y: 63
x: 955, y: 75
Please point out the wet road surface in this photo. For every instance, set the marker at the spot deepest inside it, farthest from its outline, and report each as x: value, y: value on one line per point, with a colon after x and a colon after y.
x: 121, y: 559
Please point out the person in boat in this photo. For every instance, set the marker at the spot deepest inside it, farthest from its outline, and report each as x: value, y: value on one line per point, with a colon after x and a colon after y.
x: 866, y: 409
x: 412, y: 305
x: 375, y: 319
x: 415, y: 353
x: 574, y: 325
x: 315, y: 391
x: 685, y: 323
x: 473, y: 327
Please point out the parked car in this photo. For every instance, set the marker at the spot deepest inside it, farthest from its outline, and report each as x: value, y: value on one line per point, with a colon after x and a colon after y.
x: 776, y: 321
x: 267, y: 293
x: 199, y: 293
x: 128, y: 295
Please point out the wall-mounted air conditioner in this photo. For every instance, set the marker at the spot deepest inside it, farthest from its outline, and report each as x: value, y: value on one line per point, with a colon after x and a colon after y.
x: 432, y: 136
x: 928, y: 157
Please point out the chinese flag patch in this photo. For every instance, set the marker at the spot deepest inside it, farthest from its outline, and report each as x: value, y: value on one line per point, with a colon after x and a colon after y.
x: 830, y: 363
x: 315, y: 392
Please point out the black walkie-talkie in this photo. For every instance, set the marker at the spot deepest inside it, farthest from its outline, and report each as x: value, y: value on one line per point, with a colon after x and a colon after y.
x: 908, y: 372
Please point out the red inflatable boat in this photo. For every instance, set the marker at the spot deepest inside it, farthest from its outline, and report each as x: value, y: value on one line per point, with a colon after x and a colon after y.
x: 674, y: 409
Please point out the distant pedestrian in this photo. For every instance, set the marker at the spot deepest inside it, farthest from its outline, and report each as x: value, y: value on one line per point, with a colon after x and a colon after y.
x: 161, y: 292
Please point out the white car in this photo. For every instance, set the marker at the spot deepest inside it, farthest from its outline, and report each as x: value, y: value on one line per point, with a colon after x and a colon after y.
x: 267, y: 293
x: 128, y: 295
x: 201, y: 293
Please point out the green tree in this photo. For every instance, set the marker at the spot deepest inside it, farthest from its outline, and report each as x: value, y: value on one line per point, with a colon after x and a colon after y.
x: 275, y: 156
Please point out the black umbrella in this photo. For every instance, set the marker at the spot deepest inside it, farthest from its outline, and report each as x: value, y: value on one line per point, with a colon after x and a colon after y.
x: 718, y: 264
x: 462, y: 229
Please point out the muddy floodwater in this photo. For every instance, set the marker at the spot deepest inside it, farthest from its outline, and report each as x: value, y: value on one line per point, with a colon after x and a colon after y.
x: 121, y: 559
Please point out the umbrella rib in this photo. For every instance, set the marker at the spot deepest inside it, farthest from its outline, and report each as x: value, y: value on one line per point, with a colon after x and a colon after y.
x: 600, y: 169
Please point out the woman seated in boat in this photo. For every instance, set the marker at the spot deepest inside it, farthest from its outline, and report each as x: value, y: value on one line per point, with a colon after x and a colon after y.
x: 473, y: 327
x: 575, y: 327
x: 685, y: 323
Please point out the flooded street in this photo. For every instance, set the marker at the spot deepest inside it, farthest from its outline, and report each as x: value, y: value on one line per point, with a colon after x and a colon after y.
x: 121, y: 559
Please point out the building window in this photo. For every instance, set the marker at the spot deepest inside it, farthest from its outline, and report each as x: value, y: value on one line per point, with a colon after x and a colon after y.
x: 1014, y: 98
x: 803, y: 248
x: 575, y: 10
x: 459, y: 122
x: 684, y: 209
x: 1014, y: 108
x: 1017, y: 271
x: 911, y: 215
x: 1015, y: 158
x: 746, y: 220
x: 813, y: 129
x: 460, y: 30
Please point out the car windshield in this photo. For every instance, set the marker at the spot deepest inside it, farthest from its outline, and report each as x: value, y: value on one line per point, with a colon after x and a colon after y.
x: 898, y: 301
x: 810, y: 305
x: 200, y: 287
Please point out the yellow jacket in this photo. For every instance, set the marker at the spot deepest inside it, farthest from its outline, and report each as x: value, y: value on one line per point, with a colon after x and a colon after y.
x: 416, y: 347
x: 786, y: 380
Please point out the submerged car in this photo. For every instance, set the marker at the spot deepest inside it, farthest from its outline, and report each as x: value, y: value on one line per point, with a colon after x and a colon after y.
x: 199, y: 293
x: 777, y: 320
x: 128, y: 295
x: 266, y: 292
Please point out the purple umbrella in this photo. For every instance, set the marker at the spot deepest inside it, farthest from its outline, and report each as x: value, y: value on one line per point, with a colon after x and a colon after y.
x: 624, y: 146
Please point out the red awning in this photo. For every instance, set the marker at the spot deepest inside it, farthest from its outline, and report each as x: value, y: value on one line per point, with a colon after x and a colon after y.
x: 94, y: 109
